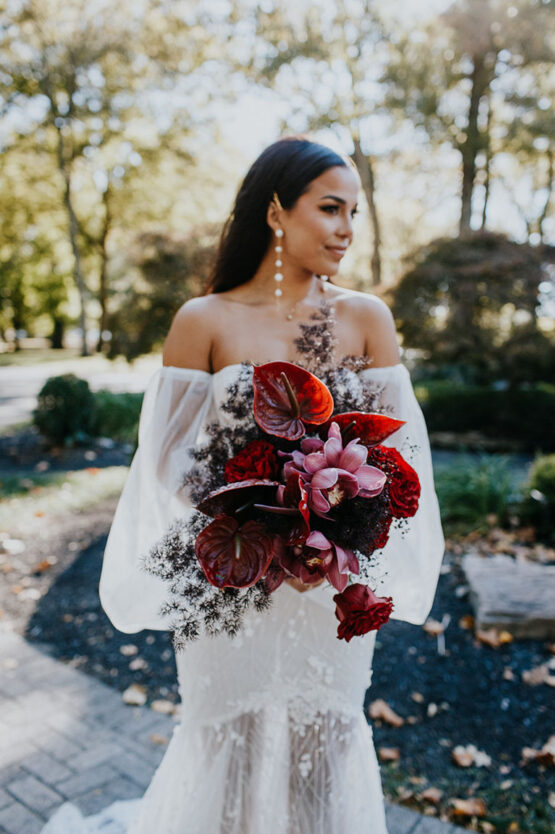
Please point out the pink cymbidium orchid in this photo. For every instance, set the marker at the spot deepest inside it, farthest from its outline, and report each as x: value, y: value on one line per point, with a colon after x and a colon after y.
x: 337, y: 562
x: 331, y: 472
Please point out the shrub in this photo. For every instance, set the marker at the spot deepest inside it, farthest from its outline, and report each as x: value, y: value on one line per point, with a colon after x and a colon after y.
x: 117, y: 415
x: 65, y: 410
x: 522, y: 414
x: 538, y: 505
x: 473, y: 487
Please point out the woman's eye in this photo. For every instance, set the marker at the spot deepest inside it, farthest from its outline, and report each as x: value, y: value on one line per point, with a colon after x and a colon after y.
x: 354, y: 211
x: 329, y: 209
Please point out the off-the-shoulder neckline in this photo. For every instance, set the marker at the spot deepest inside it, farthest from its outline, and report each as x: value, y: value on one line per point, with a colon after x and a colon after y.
x: 240, y: 364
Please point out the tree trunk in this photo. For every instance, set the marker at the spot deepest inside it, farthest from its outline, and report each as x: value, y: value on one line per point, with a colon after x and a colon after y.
x: 366, y: 172
x: 487, y: 168
x: 103, y: 283
x: 73, y: 230
x: 549, y: 189
x: 472, y: 143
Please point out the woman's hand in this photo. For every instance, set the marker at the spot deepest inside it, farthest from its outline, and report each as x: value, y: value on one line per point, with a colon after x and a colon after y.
x: 303, y: 586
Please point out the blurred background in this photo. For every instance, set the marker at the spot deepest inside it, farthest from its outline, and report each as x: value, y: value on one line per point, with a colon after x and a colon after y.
x: 125, y: 130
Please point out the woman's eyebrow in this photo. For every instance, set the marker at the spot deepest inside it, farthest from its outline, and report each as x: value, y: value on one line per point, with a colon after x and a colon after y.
x: 334, y: 197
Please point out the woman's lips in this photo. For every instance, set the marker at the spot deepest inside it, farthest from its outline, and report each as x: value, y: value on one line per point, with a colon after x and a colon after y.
x: 338, y: 251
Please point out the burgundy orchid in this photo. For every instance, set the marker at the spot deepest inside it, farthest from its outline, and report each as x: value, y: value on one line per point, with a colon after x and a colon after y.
x: 332, y: 473
x: 286, y: 397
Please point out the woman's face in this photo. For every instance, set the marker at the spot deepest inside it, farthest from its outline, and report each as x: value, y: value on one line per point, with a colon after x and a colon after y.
x: 319, y: 228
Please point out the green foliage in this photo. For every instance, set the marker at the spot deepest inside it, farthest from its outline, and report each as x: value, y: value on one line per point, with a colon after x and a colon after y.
x: 65, y: 410
x: 524, y: 414
x: 172, y: 269
x: 472, y: 488
x: 538, y: 506
x: 117, y: 415
x: 463, y: 302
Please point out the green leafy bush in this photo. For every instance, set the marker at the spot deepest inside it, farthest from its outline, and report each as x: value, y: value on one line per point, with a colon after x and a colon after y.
x: 538, y: 505
x: 521, y: 414
x: 472, y: 487
x: 117, y: 415
x: 65, y: 410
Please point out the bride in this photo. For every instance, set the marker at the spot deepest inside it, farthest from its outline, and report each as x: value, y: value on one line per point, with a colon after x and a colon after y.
x: 272, y: 736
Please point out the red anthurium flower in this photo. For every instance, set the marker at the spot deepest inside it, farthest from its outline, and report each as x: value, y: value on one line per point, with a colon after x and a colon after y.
x: 359, y: 610
x: 233, y: 497
x: 369, y: 428
x: 234, y: 556
x: 286, y: 397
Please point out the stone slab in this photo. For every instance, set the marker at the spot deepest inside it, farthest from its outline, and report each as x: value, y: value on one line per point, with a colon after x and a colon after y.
x: 511, y: 595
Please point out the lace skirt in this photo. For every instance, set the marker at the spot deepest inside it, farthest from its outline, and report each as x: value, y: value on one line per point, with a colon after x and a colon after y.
x: 273, y: 737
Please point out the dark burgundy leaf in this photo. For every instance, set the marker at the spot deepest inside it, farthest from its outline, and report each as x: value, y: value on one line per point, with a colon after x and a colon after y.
x: 230, y: 498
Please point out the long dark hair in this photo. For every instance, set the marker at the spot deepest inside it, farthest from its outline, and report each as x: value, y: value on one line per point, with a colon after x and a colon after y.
x: 287, y: 167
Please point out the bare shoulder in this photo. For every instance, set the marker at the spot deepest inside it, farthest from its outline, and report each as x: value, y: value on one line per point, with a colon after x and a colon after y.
x: 189, y: 340
x: 372, y: 316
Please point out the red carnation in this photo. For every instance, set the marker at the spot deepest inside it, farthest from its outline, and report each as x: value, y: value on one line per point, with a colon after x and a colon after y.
x: 257, y: 460
x: 402, y: 481
x: 359, y: 611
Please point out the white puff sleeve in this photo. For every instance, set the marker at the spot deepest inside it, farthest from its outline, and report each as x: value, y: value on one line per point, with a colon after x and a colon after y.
x: 412, y: 556
x: 176, y: 406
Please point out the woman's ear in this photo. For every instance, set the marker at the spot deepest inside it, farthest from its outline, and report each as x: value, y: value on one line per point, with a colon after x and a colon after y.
x: 273, y: 216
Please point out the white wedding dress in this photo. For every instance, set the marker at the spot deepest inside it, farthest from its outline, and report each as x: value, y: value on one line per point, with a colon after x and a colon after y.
x: 272, y: 739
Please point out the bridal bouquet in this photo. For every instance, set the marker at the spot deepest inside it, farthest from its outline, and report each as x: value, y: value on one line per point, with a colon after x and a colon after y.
x: 310, y: 496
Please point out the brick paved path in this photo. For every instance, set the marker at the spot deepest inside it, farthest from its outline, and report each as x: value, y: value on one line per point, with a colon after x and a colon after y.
x: 66, y: 736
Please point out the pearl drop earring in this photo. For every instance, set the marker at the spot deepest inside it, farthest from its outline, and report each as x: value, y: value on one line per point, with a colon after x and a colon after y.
x: 278, y: 276
x: 324, y: 279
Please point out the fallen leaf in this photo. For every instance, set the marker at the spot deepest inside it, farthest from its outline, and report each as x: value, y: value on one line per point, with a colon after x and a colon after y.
x: 417, y: 780
x: 537, y: 675
x: 432, y: 795
x: 551, y: 648
x: 137, y: 664
x: 135, y: 695
x: 468, y: 755
x: 431, y: 709
x: 494, y: 638
x: 381, y: 709
x: 44, y: 565
x: 128, y: 649
x: 389, y: 754
x: 433, y: 627
x: 417, y: 696
x: 412, y: 719
x: 17, y: 589
x: 545, y: 756
x: 466, y: 621
x: 156, y: 738
x: 487, y: 827
x: 165, y: 707
x: 404, y: 793
x: 471, y: 807
x: 39, y: 514
x: 92, y: 470
x: 506, y: 784
x: 508, y: 674
x: 551, y: 799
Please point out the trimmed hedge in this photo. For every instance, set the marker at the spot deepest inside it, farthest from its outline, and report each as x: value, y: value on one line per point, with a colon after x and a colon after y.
x: 522, y: 414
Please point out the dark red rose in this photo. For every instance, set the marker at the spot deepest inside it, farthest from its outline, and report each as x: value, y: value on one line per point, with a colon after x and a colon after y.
x: 257, y: 460
x: 402, y: 481
x: 359, y: 611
